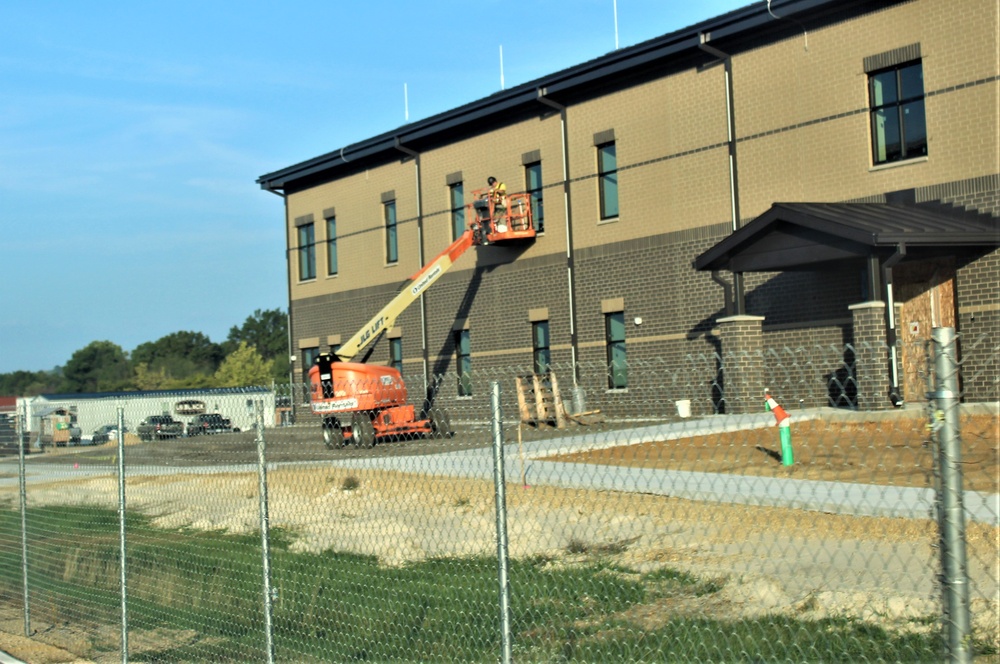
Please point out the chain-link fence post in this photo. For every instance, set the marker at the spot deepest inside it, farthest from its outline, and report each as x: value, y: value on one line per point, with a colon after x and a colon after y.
x: 952, y: 515
x: 264, y: 529
x: 22, y: 444
x: 121, y: 532
x: 499, y: 481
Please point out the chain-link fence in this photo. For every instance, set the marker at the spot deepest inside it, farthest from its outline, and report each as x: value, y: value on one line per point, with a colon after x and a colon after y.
x: 504, y: 516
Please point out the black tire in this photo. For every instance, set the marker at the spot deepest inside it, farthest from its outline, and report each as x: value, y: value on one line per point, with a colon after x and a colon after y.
x: 363, y: 431
x: 333, y: 436
x: 440, y: 423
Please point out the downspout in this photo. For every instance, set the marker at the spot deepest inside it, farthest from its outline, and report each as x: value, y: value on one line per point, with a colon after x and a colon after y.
x: 420, y: 260
x: 570, y: 273
x: 727, y: 291
x: 899, y: 255
x: 288, y: 314
x: 734, y: 183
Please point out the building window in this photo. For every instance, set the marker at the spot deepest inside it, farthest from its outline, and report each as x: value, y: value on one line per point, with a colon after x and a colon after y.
x: 542, y: 357
x: 331, y: 246
x: 614, y: 329
x: 464, y: 366
x: 309, y: 356
x: 607, y: 176
x: 307, y: 252
x: 899, y: 127
x: 533, y: 185
x: 396, y: 354
x: 391, y: 241
x: 457, y: 198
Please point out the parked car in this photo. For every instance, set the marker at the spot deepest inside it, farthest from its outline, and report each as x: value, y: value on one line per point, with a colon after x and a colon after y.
x: 210, y: 423
x: 159, y: 427
x: 105, y: 433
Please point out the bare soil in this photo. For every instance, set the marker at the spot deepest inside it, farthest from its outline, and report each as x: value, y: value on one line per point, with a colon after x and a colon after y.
x: 768, y: 560
x: 891, y: 452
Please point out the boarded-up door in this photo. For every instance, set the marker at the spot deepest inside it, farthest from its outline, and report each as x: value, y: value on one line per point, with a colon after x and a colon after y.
x: 926, y: 291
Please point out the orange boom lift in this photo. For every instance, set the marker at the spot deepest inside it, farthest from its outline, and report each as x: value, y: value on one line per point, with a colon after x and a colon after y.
x: 361, y: 402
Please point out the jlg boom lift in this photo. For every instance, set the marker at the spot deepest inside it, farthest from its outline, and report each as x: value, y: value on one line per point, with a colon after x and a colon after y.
x: 361, y: 402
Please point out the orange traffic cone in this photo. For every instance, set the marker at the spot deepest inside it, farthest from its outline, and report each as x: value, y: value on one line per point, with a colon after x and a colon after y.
x: 779, y: 413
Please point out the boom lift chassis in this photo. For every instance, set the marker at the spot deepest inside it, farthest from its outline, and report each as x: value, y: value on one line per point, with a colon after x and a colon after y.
x: 361, y: 403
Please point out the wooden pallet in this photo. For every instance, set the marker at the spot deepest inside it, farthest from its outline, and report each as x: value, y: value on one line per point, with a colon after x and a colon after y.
x: 539, y: 401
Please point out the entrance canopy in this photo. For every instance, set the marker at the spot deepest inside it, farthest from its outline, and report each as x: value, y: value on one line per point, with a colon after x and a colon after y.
x: 805, y: 236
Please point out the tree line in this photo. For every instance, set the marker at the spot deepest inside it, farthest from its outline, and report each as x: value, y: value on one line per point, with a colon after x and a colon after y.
x: 254, y: 353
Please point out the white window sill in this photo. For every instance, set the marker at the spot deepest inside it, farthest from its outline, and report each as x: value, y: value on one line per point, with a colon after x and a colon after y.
x: 896, y: 164
x: 609, y: 220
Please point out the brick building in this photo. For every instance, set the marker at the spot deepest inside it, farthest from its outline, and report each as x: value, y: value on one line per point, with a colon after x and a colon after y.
x: 809, y: 173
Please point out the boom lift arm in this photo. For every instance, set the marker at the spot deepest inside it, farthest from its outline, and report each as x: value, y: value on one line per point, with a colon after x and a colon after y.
x: 360, y: 402
x: 417, y: 284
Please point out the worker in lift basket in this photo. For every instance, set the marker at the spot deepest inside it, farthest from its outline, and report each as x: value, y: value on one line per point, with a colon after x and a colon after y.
x: 497, y: 196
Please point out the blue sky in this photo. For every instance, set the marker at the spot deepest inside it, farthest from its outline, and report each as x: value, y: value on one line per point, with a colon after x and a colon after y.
x: 132, y: 133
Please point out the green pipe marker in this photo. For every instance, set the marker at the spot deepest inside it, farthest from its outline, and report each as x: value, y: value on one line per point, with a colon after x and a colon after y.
x: 786, y: 444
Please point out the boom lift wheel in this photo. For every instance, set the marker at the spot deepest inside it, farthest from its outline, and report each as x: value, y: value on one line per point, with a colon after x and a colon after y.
x: 333, y: 436
x: 363, y: 430
x: 440, y: 422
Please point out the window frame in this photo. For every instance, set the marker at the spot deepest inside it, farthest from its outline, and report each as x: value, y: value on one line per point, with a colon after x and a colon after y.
x: 892, y: 115
x: 391, y: 232
x: 607, y: 180
x: 541, y: 349
x: 306, y: 234
x: 309, y: 356
x: 463, y: 363
x: 457, y: 207
x: 534, y: 191
x: 396, y: 353
x: 332, y: 263
x: 615, y: 351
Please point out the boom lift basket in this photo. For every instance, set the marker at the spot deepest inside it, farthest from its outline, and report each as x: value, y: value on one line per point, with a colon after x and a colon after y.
x: 498, y: 221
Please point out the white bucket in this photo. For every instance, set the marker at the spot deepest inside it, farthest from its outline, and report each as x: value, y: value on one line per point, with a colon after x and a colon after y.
x: 683, y: 407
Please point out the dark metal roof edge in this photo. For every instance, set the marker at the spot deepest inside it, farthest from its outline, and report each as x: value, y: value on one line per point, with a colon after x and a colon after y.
x: 211, y: 391
x: 740, y: 21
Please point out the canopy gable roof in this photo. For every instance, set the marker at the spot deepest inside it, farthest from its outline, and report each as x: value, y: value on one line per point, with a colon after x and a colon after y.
x: 796, y: 236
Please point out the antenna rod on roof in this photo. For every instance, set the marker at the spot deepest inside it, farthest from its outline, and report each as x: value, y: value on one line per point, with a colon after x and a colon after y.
x: 501, y: 67
x: 616, y: 23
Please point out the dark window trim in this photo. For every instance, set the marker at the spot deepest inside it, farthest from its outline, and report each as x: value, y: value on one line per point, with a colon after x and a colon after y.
x: 463, y: 359
x: 391, y: 231
x: 602, y: 137
x: 896, y: 56
x: 899, y: 105
x: 332, y: 259
x: 308, y: 250
x: 457, y: 211
x: 610, y: 345
x: 601, y: 178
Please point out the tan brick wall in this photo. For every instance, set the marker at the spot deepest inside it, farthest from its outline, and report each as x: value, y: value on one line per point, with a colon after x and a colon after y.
x: 802, y: 124
x: 784, y: 85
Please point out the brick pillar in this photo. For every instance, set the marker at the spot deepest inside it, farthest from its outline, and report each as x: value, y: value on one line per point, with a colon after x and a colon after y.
x: 742, y: 341
x: 871, y: 356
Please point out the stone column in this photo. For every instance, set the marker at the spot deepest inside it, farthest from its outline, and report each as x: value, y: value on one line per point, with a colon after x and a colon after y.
x: 871, y: 356
x: 742, y: 342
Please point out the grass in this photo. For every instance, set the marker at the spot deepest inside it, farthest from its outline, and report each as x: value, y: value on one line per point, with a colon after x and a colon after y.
x: 201, y: 593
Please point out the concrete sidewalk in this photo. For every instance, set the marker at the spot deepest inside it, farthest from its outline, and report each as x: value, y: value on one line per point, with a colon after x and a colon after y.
x: 824, y: 496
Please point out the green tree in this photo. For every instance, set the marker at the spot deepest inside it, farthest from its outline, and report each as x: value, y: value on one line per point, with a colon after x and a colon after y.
x: 179, y: 356
x: 30, y: 383
x: 244, y: 367
x: 267, y: 331
x: 101, y: 366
